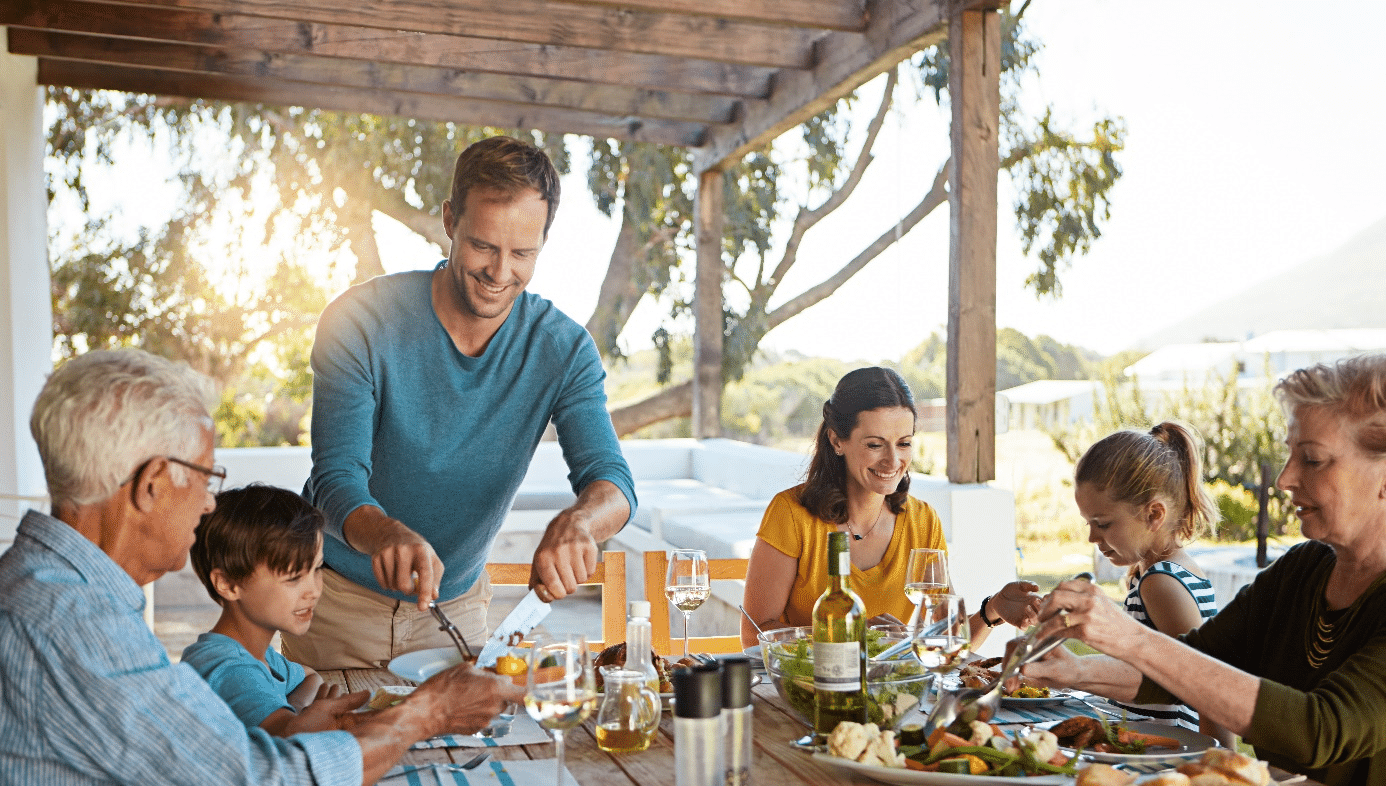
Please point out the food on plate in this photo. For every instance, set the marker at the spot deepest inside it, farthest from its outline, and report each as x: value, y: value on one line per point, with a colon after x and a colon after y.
x: 1103, y: 775
x: 1168, y: 779
x: 388, y: 696
x: 865, y: 743
x: 983, y: 674
x: 615, y: 655
x: 1092, y: 734
x: 1221, y: 766
x: 989, y: 751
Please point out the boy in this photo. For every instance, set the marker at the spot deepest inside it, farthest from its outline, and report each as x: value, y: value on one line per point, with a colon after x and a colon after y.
x: 259, y: 553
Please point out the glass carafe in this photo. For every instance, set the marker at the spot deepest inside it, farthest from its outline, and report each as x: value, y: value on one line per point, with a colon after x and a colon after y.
x: 629, y: 714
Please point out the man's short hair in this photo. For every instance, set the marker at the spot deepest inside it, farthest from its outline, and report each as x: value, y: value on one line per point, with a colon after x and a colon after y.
x: 102, y: 415
x: 253, y: 526
x: 508, y: 165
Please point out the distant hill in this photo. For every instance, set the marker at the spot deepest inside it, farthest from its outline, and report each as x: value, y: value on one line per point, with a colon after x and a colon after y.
x: 1345, y: 288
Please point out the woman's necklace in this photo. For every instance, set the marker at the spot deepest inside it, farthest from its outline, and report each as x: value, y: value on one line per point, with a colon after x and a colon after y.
x: 852, y: 531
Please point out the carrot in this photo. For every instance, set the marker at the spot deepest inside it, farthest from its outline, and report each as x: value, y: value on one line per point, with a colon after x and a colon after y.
x: 948, y: 740
x: 1126, y: 737
x: 911, y: 764
x: 1059, y: 760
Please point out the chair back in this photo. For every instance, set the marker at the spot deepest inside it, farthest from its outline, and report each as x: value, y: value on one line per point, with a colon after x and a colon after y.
x: 656, y: 565
x: 610, y: 574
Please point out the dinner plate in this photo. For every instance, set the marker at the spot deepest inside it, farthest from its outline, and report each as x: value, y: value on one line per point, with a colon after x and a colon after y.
x: 419, y: 666
x: 1192, y: 745
x: 918, y: 778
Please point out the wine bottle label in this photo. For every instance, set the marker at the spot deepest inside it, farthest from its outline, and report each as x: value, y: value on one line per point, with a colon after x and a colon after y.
x: 836, y: 667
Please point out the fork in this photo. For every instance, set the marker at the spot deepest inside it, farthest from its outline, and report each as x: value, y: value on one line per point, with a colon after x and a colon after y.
x: 470, y: 764
x: 445, y: 625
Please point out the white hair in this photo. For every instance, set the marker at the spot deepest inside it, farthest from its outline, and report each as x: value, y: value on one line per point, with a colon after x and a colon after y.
x: 104, y: 414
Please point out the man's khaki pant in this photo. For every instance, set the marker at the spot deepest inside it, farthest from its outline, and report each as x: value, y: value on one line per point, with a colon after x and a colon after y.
x: 356, y: 628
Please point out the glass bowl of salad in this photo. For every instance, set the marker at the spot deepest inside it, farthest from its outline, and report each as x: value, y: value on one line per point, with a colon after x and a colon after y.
x: 894, y: 687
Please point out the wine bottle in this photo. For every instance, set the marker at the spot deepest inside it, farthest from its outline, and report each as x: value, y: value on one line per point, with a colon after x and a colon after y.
x: 839, y: 645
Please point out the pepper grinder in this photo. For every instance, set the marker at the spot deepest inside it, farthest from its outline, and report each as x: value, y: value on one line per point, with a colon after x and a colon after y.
x: 698, y: 756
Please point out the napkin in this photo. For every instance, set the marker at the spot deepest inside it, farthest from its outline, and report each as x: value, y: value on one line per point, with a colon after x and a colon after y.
x: 523, y: 772
x: 523, y: 731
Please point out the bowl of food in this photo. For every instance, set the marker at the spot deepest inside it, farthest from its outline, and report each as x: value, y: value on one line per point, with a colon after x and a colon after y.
x: 893, y: 687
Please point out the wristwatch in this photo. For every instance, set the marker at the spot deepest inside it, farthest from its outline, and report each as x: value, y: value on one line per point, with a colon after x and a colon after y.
x: 990, y: 623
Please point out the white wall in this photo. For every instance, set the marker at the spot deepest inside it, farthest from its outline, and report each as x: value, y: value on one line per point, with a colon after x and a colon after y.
x: 26, y: 316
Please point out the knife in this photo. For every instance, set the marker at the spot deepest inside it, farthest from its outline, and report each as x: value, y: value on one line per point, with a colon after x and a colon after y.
x: 520, y: 620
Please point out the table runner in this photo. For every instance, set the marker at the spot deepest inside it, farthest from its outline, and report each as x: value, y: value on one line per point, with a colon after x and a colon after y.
x: 521, y: 772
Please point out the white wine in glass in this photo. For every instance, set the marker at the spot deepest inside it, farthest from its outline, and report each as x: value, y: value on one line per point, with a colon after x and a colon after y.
x: 926, y: 573
x: 686, y: 584
x: 561, y: 689
x: 944, y: 639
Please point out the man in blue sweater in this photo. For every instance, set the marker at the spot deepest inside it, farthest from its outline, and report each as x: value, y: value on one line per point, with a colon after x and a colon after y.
x: 431, y: 391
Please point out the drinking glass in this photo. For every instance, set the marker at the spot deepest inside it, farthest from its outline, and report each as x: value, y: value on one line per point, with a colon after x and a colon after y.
x: 926, y: 573
x: 686, y: 584
x: 560, y: 688
x: 943, y: 639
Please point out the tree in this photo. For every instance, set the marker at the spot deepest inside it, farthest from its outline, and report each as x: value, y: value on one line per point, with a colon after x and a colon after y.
x: 326, y: 174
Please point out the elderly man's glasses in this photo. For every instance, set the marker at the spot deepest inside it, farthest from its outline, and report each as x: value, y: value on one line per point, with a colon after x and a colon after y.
x: 215, y: 475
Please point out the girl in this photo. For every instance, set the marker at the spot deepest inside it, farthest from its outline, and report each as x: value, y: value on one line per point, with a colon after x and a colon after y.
x: 1142, y: 497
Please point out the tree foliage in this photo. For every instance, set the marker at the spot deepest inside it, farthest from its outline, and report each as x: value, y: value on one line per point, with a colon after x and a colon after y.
x: 318, y: 178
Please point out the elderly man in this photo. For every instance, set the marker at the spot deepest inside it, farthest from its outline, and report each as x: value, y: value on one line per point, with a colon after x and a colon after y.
x: 87, y: 694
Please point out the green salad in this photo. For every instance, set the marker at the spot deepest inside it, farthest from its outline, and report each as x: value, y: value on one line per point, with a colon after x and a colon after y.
x: 888, y: 696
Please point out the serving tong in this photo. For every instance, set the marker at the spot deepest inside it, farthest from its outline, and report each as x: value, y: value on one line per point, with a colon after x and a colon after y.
x: 969, y: 704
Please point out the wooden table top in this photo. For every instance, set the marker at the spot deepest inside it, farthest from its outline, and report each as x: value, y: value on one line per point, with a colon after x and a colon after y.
x: 774, y: 762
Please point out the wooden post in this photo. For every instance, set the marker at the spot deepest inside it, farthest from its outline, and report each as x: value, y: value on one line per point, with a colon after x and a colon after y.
x: 707, y: 308
x: 974, y: 45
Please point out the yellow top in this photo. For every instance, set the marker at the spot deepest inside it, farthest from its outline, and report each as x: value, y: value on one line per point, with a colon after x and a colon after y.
x: 793, y: 531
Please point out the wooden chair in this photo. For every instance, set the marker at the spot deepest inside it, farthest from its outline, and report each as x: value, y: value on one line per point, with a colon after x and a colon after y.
x: 610, y: 574
x: 656, y: 565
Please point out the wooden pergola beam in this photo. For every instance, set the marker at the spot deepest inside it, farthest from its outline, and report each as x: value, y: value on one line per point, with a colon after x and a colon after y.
x: 546, y: 22
x: 826, y: 14
x: 98, y: 76
x: 845, y: 62
x: 368, y: 44
x: 562, y: 93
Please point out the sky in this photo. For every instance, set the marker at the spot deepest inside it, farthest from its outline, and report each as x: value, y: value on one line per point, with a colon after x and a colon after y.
x: 1253, y: 136
x: 1252, y: 146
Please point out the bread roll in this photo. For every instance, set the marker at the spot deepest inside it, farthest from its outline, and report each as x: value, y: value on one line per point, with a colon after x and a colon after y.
x: 1238, y: 767
x: 1103, y: 775
x: 1168, y: 779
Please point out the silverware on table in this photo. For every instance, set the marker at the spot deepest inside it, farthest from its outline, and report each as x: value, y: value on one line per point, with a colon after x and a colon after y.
x: 445, y: 625
x: 470, y: 764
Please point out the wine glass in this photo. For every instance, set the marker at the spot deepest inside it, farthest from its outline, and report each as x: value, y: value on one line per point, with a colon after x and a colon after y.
x: 943, y: 639
x: 686, y: 584
x: 926, y: 573
x: 560, y: 689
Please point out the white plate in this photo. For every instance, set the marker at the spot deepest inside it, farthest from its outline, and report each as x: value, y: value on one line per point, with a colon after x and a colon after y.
x: 419, y: 666
x: 753, y: 652
x: 918, y: 778
x: 1192, y: 746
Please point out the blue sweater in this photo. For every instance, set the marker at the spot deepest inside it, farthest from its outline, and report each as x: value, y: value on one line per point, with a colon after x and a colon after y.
x: 439, y: 440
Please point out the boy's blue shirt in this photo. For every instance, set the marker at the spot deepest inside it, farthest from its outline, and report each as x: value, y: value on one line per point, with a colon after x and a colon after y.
x: 252, y: 689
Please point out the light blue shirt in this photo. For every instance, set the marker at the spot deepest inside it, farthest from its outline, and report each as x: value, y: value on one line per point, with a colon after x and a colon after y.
x: 250, y: 688
x: 89, y: 696
x: 439, y: 440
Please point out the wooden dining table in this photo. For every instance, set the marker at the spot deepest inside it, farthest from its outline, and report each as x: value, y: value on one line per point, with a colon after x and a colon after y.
x: 774, y: 761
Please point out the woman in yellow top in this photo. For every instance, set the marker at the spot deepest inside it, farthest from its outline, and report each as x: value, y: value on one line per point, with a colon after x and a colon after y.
x: 858, y: 482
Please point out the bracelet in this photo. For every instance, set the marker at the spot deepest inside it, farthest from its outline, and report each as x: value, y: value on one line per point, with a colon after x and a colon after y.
x: 989, y: 623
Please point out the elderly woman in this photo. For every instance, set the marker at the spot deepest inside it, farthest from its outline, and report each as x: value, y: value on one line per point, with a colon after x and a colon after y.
x: 1296, y: 663
x: 858, y: 482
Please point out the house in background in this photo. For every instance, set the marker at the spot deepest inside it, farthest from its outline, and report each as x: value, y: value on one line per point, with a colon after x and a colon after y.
x: 1047, y: 404
x: 1279, y: 351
